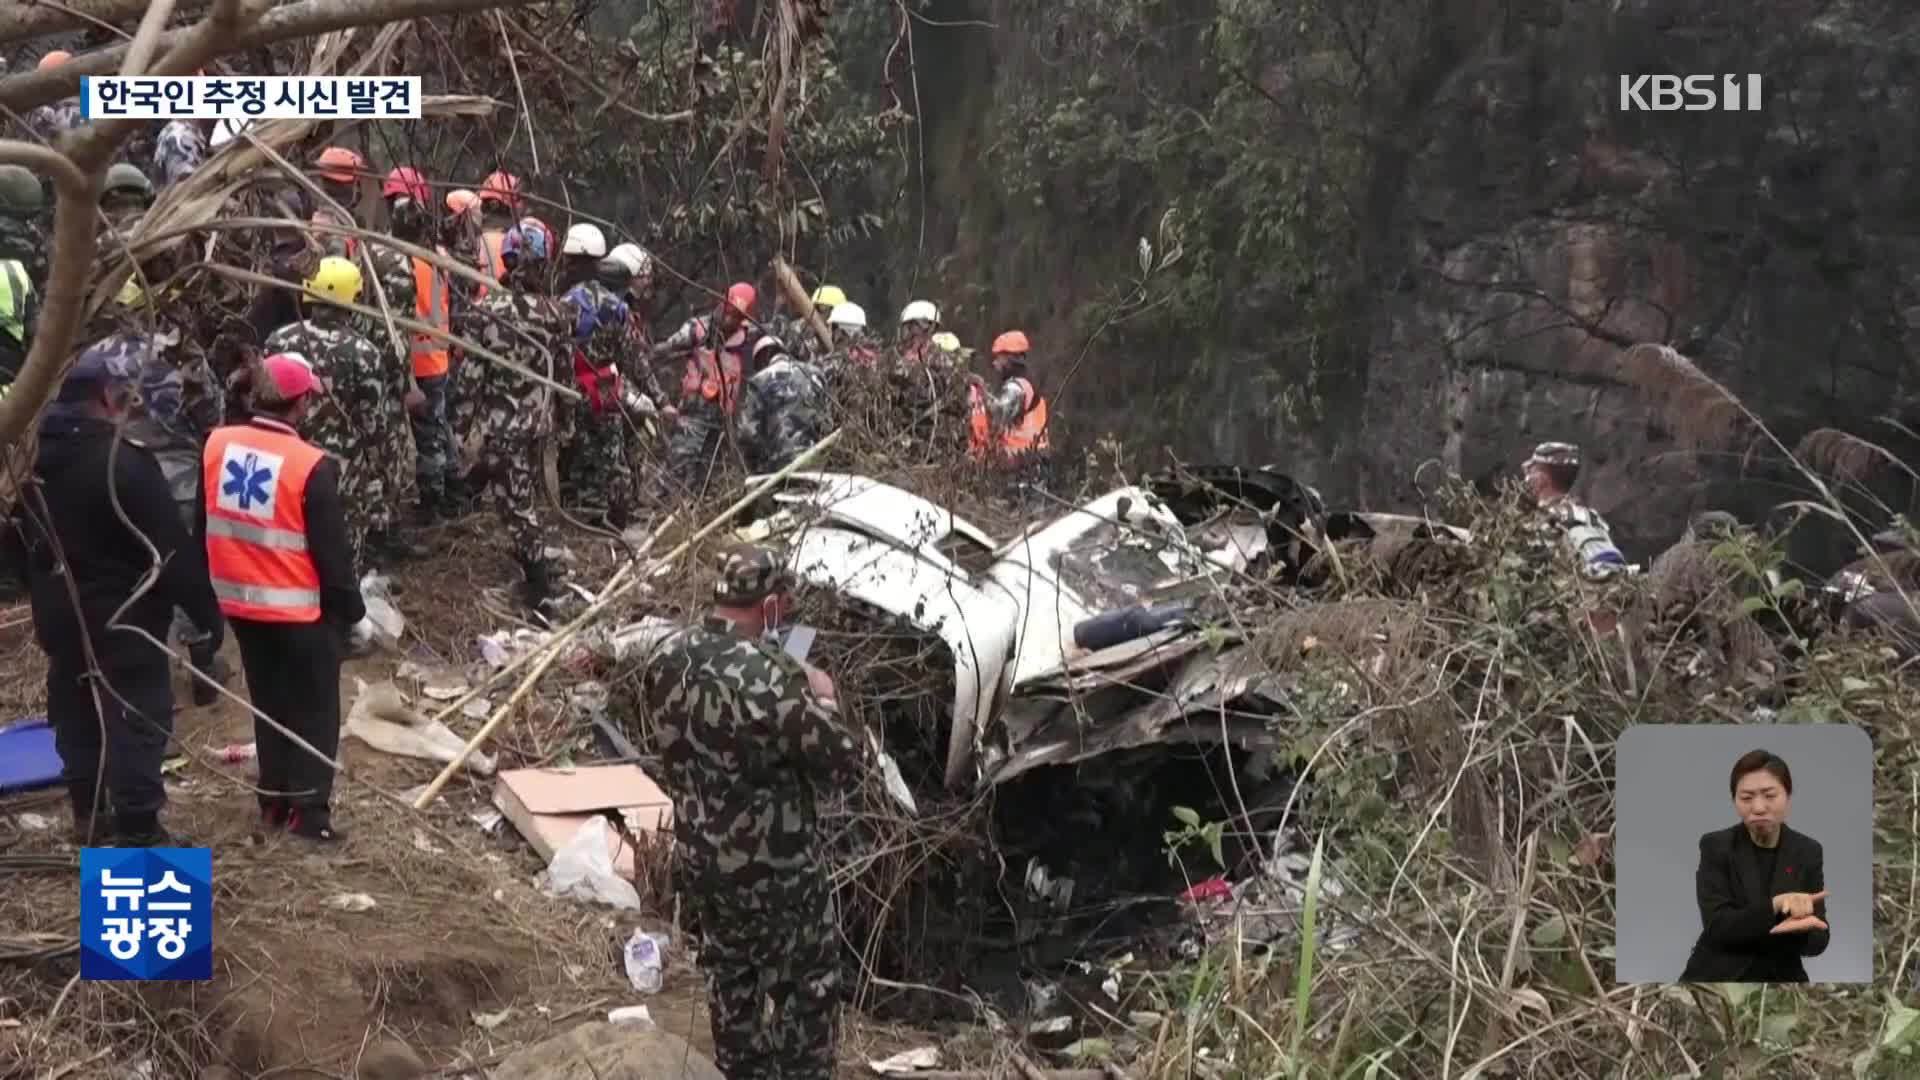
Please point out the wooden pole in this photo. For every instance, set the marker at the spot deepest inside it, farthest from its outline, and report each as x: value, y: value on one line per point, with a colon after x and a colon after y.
x: 797, y: 296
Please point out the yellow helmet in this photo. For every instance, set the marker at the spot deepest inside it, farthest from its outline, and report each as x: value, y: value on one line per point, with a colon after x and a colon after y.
x: 336, y: 279
x: 946, y: 341
x: 829, y: 297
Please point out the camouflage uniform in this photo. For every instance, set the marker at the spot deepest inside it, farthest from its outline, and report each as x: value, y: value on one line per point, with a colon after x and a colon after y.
x: 603, y: 332
x: 513, y: 413
x: 1584, y: 530
x: 23, y: 260
x: 49, y: 121
x: 180, y: 149
x: 749, y: 753
x: 23, y: 239
x: 359, y: 421
x: 784, y: 410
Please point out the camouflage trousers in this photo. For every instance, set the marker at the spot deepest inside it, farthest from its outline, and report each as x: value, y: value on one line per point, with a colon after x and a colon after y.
x: 773, y: 982
x: 693, y: 450
x: 466, y: 386
x: 600, y: 462
x: 511, y: 461
x: 433, y: 439
x: 369, y: 482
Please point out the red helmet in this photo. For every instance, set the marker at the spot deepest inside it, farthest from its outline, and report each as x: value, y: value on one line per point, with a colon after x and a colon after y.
x: 1013, y: 341
x: 406, y: 180
x: 740, y: 297
x: 339, y: 164
x: 501, y: 186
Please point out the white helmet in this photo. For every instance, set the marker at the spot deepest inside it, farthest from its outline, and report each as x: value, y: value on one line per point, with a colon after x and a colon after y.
x: 633, y: 257
x: 920, y: 311
x: 585, y: 239
x: 850, y: 315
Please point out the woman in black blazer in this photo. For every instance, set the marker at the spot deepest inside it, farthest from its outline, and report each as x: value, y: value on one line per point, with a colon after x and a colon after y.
x: 1761, y: 886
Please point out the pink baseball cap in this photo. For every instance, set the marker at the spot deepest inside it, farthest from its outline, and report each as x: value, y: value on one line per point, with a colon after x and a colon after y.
x: 291, y: 374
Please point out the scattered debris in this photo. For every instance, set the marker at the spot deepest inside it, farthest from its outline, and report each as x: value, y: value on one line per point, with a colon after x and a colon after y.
x: 630, y: 1014
x: 34, y: 822
x: 907, y: 1061
x: 487, y: 820
x: 612, y: 1051
x: 353, y: 902
x: 422, y: 844
x: 235, y: 753
x: 646, y: 958
x: 548, y: 806
x: 387, y: 622
x: 584, y: 868
x: 381, y: 718
x: 489, y: 1021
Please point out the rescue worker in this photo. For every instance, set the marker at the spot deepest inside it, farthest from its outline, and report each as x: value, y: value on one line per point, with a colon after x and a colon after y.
x: 52, y: 120
x: 68, y: 541
x: 283, y: 568
x: 360, y: 419
x: 637, y: 294
x: 717, y: 365
x: 602, y: 335
x: 751, y: 745
x: 339, y: 170
x: 785, y: 409
x: 850, y: 342
x: 514, y: 413
x: 125, y: 196
x: 1007, y: 427
x: 919, y: 321
x: 1550, y: 473
x: 180, y: 148
x: 22, y: 266
x: 430, y: 294
x: 797, y: 331
x: 500, y: 206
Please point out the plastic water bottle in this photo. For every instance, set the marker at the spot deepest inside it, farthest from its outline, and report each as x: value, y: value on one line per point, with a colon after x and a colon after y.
x: 644, y: 962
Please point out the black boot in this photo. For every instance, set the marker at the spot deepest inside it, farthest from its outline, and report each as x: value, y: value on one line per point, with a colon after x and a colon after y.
x: 395, y: 547
x: 620, y: 517
x: 208, y: 663
x: 141, y: 830
x: 314, y: 823
x: 538, y: 588
x: 432, y: 510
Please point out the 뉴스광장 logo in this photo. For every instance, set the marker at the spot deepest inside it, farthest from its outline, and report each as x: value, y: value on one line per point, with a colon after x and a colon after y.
x: 146, y: 913
x: 1689, y: 93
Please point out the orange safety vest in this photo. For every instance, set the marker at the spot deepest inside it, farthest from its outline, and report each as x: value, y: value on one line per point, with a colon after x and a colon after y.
x: 429, y: 353
x: 492, y: 243
x: 714, y: 376
x: 255, y: 478
x: 1029, y: 432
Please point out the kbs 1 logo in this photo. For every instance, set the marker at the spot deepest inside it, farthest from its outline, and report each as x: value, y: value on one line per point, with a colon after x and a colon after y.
x: 1689, y: 93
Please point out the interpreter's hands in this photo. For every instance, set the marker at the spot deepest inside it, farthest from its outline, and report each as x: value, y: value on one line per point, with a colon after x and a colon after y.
x: 1800, y: 925
x: 1795, y: 905
x: 415, y: 401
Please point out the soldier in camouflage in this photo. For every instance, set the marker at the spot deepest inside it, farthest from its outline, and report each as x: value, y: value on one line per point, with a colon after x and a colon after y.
x: 785, y: 410
x: 360, y: 421
x: 180, y: 148
x: 125, y: 196
x: 1550, y: 474
x: 602, y: 335
x: 752, y: 745
x: 512, y: 413
x: 23, y: 267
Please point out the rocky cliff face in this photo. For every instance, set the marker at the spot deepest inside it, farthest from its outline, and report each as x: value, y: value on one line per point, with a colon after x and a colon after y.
x: 1513, y: 231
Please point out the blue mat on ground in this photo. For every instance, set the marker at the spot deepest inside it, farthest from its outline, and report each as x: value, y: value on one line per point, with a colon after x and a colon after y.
x: 27, y: 757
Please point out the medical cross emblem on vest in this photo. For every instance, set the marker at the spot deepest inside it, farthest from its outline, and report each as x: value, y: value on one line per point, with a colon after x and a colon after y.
x: 248, y: 480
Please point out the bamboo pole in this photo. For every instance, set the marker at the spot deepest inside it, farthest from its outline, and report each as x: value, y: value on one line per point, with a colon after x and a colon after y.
x: 544, y: 656
x: 802, y: 303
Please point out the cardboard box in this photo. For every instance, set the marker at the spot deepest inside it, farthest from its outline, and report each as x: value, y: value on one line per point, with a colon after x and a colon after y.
x: 548, y: 806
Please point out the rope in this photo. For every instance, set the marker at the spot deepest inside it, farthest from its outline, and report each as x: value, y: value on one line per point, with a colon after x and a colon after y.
x: 33, y: 948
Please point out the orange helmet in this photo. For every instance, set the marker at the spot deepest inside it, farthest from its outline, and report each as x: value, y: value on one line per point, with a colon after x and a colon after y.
x: 740, y: 297
x: 1013, y: 341
x: 406, y: 180
x: 54, y: 59
x: 503, y: 187
x: 339, y: 164
x: 460, y: 200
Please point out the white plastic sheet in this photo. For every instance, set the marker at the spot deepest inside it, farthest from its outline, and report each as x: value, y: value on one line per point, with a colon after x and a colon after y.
x: 583, y: 869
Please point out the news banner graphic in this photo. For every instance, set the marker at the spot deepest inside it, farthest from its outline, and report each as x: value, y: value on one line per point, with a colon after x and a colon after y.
x: 146, y: 913
x: 250, y: 97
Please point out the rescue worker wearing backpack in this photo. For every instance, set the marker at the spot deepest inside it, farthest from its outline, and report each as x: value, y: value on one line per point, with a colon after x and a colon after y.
x: 22, y: 266
x: 717, y: 366
x: 602, y: 333
x: 339, y: 171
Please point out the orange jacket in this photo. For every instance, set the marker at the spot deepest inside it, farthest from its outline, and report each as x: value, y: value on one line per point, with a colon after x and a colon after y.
x: 1027, y: 433
x: 714, y: 376
x: 255, y: 480
x: 429, y: 353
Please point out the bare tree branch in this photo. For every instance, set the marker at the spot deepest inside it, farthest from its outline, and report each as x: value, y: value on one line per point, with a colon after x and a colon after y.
x: 145, y: 39
x: 276, y: 24
x: 21, y: 21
